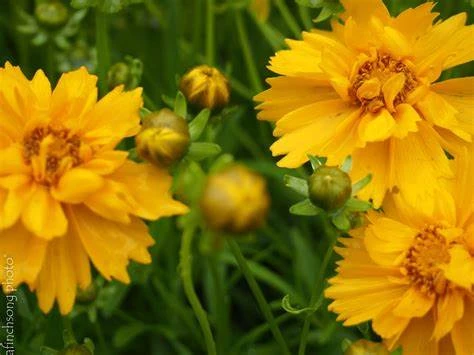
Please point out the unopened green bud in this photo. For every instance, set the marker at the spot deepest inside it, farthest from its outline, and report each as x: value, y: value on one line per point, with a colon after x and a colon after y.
x: 88, y: 295
x: 205, y: 87
x: 235, y: 200
x: 329, y: 188
x: 366, y: 347
x: 164, y: 139
x: 52, y: 14
x: 76, y: 350
x: 118, y: 74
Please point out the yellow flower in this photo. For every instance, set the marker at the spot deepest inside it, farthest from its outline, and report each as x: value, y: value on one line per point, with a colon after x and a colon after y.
x: 367, y: 89
x: 66, y: 197
x: 412, y: 272
x: 235, y: 200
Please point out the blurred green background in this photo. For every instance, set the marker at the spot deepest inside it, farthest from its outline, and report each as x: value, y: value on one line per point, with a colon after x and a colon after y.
x: 152, y: 315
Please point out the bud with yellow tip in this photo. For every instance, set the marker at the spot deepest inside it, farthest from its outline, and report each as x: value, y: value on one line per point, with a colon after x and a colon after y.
x: 205, y: 87
x: 261, y: 9
x: 329, y: 187
x: 366, y: 347
x: 164, y: 139
x: 235, y: 200
x: 51, y: 14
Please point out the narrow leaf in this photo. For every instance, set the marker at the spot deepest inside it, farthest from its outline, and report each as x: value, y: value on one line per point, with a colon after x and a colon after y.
x: 199, y: 151
x: 305, y: 208
x: 296, y: 184
x: 180, y: 106
x: 197, y: 126
x: 359, y: 185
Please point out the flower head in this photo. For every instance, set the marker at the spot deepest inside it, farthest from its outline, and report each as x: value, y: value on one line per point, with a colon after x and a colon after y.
x: 66, y: 196
x: 367, y: 89
x: 412, y: 272
x: 205, y: 87
x: 235, y: 200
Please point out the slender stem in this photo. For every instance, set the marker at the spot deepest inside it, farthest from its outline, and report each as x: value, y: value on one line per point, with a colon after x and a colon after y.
x: 103, y: 53
x: 50, y: 61
x: 210, y: 24
x: 258, y: 294
x: 288, y: 18
x: 186, y: 276
x: 305, y: 16
x: 247, y: 52
x: 68, y: 332
x: 220, y: 305
x: 316, y: 297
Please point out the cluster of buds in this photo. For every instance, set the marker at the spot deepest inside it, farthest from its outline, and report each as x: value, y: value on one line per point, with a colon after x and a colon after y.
x: 235, y: 200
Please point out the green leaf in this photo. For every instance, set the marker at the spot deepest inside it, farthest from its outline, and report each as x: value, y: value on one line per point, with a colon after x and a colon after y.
x: 180, y: 105
x: 286, y: 305
x: 127, y: 333
x: 347, y: 164
x: 197, y: 126
x: 325, y: 13
x: 82, y: 4
x: 359, y: 185
x: 201, y: 150
x: 305, y: 208
x: 48, y: 351
x: 296, y: 184
x: 311, y: 3
x: 357, y: 205
x: 341, y: 221
x: 316, y: 162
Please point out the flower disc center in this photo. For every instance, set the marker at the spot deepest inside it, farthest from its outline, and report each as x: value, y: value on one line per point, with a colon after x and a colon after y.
x: 423, y: 260
x: 383, y: 82
x: 51, y: 152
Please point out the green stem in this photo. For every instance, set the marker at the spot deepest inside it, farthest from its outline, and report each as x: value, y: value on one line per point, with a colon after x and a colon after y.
x: 257, y: 292
x: 51, y: 67
x: 316, y: 297
x: 186, y: 275
x: 68, y: 332
x: 247, y: 52
x: 288, y: 18
x: 305, y: 17
x: 103, y: 53
x: 210, y: 24
x: 220, y: 305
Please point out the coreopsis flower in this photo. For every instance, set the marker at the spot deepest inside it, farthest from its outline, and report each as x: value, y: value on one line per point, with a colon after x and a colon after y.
x: 235, y: 200
x: 205, y: 87
x: 367, y: 89
x: 411, y: 272
x: 67, y: 198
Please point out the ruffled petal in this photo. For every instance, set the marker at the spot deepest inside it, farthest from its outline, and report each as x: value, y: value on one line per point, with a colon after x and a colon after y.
x: 26, y: 252
x: 413, y: 304
x: 414, y: 22
x: 76, y: 185
x: 74, y: 95
x: 406, y: 119
x: 462, y: 331
x: 43, y: 215
x: 450, y: 309
x: 376, y: 127
x: 114, y: 117
x: 416, y: 339
x: 110, y: 245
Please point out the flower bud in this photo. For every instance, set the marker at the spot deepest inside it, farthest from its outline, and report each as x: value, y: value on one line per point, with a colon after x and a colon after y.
x: 261, y: 9
x: 52, y: 14
x: 88, y: 295
x: 118, y: 74
x: 164, y: 138
x: 235, y: 200
x: 329, y: 188
x: 76, y: 350
x: 205, y: 87
x: 366, y: 347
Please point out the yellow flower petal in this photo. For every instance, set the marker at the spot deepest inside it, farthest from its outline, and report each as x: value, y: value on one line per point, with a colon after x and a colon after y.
x: 413, y: 304
x: 76, y: 185
x: 450, y: 310
x: 376, y: 127
x: 462, y: 332
x: 460, y: 268
x: 414, y: 22
x: 43, y: 215
x: 391, y: 88
x: 406, y: 119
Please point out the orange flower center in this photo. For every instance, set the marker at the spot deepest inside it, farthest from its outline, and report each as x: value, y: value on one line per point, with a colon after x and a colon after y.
x: 422, y: 261
x: 383, y: 82
x: 51, y: 152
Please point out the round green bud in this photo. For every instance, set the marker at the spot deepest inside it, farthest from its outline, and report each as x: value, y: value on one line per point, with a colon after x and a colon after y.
x: 118, y: 74
x: 329, y: 188
x: 52, y: 14
x: 164, y: 139
x: 88, y: 295
x: 366, y: 347
x: 76, y: 350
